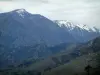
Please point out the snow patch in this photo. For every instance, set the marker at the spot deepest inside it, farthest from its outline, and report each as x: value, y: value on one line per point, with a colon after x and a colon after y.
x: 21, y: 12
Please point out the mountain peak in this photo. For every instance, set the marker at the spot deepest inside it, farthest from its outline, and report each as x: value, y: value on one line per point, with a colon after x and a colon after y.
x: 20, y: 10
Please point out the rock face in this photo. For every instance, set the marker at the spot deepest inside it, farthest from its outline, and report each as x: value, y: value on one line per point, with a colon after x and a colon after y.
x: 82, y: 33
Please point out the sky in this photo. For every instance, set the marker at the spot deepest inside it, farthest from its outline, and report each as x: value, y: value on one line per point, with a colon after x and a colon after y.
x: 77, y: 11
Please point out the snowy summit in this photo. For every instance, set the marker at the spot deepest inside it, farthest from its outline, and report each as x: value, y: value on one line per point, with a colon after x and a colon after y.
x: 21, y: 12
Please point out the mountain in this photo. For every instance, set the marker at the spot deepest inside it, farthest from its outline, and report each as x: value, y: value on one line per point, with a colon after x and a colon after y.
x: 24, y: 35
x: 21, y: 28
x: 78, y: 31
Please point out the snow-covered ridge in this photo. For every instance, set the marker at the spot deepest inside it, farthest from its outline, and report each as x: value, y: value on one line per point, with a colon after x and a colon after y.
x: 71, y: 26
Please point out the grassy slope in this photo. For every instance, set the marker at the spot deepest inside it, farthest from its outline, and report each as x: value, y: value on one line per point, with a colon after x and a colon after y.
x: 76, y: 66
x: 48, y: 61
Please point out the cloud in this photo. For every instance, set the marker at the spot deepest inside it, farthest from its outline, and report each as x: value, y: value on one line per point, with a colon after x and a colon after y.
x: 5, y: 0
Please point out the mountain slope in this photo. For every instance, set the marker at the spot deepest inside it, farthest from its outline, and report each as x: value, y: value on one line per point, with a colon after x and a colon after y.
x: 20, y: 28
x: 83, y: 52
x: 89, y: 52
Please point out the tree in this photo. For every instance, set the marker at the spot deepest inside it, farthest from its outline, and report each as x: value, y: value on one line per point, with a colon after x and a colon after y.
x: 87, y: 69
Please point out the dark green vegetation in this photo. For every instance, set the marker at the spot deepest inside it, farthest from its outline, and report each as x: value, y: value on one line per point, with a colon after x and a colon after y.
x: 83, y: 59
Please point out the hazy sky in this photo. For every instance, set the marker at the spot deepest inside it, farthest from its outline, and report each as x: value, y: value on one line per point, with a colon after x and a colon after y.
x: 79, y: 11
